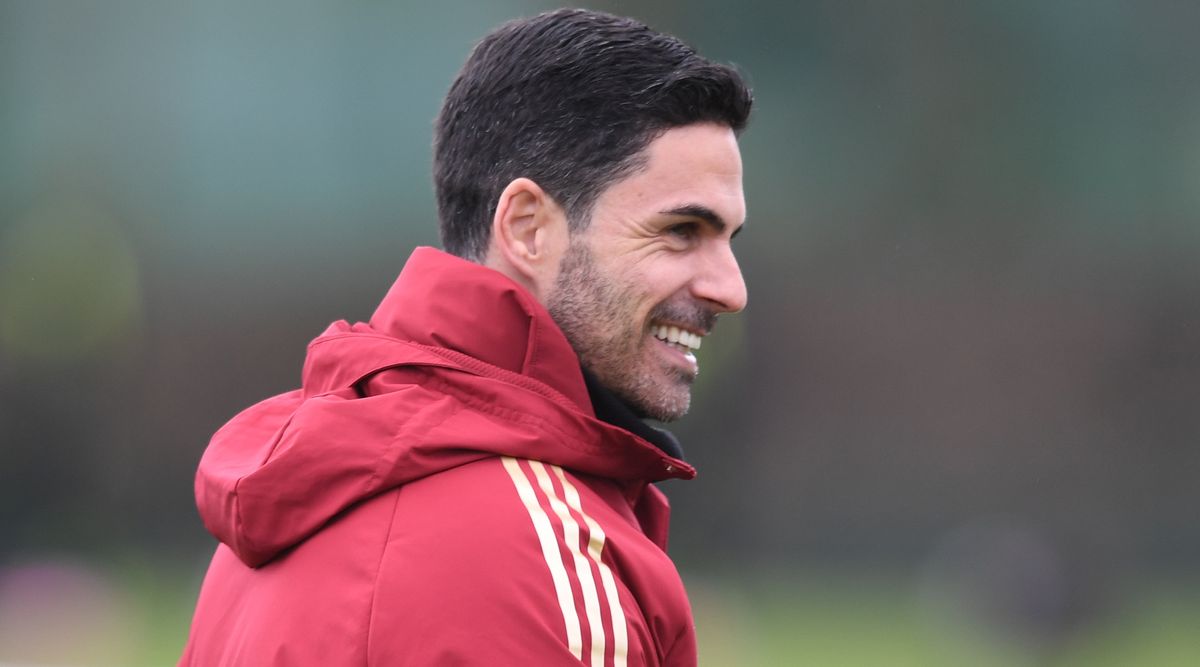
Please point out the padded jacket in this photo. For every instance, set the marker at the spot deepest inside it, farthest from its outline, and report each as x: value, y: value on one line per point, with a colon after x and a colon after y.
x: 438, y: 492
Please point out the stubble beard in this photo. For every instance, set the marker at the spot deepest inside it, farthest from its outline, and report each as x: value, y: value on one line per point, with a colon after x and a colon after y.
x: 598, y: 318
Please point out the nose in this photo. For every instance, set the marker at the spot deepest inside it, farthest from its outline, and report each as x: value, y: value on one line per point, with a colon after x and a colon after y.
x: 719, y: 280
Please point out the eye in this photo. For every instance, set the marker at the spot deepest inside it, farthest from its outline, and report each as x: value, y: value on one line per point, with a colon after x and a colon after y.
x: 684, y: 230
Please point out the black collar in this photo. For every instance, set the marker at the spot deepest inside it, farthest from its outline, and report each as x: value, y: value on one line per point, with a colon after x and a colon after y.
x: 609, y: 408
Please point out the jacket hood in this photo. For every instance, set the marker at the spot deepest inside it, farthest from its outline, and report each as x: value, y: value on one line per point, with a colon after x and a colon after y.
x: 458, y: 363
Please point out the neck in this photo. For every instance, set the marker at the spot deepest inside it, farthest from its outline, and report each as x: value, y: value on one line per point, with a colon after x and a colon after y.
x: 611, y: 409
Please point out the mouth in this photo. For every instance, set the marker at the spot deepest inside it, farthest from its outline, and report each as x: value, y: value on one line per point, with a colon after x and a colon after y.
x: 681, y: 340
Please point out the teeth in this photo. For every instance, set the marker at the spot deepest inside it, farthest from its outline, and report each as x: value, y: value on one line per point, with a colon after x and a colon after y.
x: 676, y: 335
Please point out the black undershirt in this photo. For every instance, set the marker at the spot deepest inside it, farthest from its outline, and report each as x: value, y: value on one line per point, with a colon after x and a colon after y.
x: 610, y: 409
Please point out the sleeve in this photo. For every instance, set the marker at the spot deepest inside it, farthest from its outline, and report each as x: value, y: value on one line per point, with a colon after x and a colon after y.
x: 489, y: 564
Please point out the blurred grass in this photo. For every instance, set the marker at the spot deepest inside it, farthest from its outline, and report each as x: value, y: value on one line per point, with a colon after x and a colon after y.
x: 859, y: 619
x: 869, y: 620
x: 166, y: 600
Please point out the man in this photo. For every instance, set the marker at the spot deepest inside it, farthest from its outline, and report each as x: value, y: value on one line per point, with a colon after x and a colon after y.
x: 465, y: 479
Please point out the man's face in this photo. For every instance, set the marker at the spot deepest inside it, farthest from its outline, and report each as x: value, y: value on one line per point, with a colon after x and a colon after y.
x: 654, y: 266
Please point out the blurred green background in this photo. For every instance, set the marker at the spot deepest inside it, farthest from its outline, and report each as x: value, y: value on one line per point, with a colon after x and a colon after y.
x: 957, y: 424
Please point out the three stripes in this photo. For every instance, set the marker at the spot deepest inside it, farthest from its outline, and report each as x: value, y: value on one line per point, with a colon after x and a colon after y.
x: 566, y: 507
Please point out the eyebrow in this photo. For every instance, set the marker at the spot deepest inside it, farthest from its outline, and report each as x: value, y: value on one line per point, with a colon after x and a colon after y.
x: 709, y: 216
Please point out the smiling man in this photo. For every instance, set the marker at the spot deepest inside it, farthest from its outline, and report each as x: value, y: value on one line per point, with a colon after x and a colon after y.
x: 465, y: 479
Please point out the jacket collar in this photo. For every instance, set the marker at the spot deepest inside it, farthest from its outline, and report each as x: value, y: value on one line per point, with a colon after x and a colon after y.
x: 448, y: 302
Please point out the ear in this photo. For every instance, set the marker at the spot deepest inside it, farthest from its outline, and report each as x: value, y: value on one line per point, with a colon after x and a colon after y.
x: 529, y: 236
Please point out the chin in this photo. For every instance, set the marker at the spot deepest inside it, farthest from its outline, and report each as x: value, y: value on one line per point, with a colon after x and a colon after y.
x: 666, y: 407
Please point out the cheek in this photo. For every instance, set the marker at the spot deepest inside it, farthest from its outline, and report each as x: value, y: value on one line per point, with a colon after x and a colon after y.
x: 641, y: 287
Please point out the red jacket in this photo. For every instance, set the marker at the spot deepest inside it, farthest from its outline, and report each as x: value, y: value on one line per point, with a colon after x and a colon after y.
x: 439, y: 492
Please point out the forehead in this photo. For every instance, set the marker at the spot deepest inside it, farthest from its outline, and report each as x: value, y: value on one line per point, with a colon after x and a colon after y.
x: 694, y: 165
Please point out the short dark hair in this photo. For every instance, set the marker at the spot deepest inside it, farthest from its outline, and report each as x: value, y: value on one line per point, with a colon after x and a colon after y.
x: 569, y: 99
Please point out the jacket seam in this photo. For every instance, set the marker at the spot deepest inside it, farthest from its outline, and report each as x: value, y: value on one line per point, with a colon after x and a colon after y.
x: 515, y: 416
x: 456, y: 360
x: 387, y: 539
x: 481, y: 368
